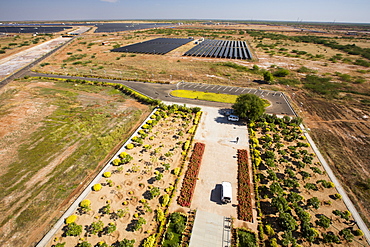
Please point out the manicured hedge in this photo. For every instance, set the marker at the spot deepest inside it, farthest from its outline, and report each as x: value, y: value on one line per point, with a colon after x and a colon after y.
x: 244, y: 187
x: 191, y: 175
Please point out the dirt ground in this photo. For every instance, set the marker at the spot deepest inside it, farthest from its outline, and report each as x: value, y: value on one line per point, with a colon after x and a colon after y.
x: 325, y: 195
x: 23, y: 114
x: 131, y: 185
x: 342, y: 133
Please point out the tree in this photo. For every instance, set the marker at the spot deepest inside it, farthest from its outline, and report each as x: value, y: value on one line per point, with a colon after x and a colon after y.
x: 314, y: 202
x: 249, y: 106
x: 287, y: 221
x: 267, y: 76
x: 346, y: 234
x: 323, y: 221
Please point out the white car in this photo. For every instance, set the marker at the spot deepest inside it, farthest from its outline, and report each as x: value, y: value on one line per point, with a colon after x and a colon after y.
x: 233, y: 118
x: 226, y: 192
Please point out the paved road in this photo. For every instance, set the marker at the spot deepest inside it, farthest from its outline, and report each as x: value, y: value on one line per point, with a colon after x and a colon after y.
x: 279, y: 103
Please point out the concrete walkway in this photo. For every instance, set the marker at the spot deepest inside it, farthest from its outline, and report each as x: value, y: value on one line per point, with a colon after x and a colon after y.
x: 219, y: 161
x: 210, y: 230
x: 361, y: 224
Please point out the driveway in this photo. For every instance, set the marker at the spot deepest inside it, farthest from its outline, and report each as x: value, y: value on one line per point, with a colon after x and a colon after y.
x: 219, y: 161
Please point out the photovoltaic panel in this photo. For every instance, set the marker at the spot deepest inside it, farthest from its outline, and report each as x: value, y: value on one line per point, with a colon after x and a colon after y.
x: 154, y: 46
x: 220, y: 49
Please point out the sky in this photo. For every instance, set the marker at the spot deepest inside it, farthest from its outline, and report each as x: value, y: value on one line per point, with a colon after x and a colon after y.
x: 355, y: 11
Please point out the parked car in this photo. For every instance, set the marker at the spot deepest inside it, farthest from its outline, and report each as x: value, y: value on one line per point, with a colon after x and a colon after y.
x: 226, y: 192
x: 233, y: 118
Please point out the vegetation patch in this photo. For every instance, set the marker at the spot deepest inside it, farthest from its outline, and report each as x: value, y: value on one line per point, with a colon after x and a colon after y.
x: 191, y: 175
x: 216, y: 97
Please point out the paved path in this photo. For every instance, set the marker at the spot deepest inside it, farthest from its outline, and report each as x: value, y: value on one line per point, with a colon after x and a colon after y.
x: 361, y: 224
x: 210, y: 230
x: 11, y: 64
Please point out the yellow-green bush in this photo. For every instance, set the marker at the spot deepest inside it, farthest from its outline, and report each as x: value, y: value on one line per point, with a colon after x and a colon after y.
x: 122, y: 155
x: 164, y: 200
x: 97, y: 187
x: 130, y: 146
x: 192, y: 129
x: 197, y: 117
x: 186, y: 145
x: 176, y: 171
x: 85, y: 203
x: 70, y: 219
x: 116, y: 162
x: 107, y: 174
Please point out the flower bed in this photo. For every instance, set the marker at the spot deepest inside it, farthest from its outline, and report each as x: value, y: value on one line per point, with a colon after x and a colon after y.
x: 244, y: 187
x: 190, y: 179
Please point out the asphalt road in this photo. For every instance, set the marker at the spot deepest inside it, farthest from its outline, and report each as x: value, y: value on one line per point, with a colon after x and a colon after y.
x: 279, y: 103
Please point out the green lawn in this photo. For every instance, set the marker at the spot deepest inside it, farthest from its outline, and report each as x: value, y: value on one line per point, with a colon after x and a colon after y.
x: 217, y: 97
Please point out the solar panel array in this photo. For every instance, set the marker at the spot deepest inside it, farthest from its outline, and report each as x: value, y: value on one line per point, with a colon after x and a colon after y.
x: 154, y: 46
x: 221, y: 49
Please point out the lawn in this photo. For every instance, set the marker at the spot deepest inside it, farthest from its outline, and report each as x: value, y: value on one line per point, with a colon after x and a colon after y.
x: 217, y: 97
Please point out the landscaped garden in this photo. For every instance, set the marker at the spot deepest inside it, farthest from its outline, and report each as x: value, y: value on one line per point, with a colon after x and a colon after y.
x: 296, y: 201
x: 129, y: 206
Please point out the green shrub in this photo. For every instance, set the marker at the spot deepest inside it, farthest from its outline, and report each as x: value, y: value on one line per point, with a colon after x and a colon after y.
x: 169, y: 235
x: 165, y: 200
x: 358, y: 233
x: 314, y: 202
x: 346, y: 234
x: 73, y: 229
x: 323, y: 221
x: 96, y: 227
x: 281, y: 72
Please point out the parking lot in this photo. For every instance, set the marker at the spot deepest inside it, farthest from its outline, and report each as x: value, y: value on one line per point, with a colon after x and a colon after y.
x: 219, y: 161
x: 279, y: 104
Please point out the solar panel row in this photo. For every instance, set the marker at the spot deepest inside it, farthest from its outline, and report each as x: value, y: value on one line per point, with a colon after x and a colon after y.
x: 221, y: 49
x: 154, y: 46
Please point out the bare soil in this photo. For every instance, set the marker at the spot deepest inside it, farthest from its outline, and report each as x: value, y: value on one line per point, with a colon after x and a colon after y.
x: 342, y: 133
x: 132, y: 185
x: 23, y: 113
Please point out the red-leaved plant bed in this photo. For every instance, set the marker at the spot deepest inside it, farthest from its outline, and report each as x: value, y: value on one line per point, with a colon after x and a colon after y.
x: 191, y: 175
x: 244, y: 187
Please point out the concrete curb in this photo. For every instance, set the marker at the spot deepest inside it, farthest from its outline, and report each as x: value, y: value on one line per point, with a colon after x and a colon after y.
x: 46, y: 239
x: 361, y: 224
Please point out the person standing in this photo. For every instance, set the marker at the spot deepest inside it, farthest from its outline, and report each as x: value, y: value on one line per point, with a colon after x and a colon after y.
x: 237, y: 139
